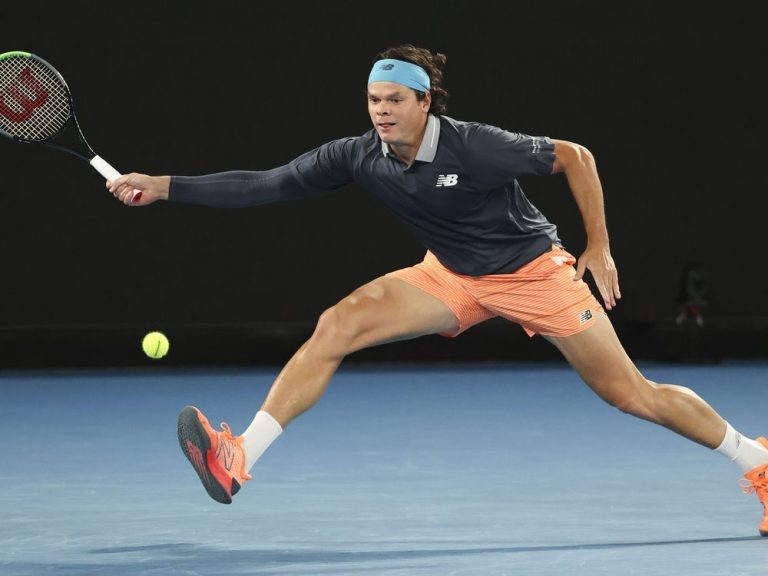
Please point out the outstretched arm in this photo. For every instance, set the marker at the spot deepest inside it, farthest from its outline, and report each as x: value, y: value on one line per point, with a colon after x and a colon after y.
x: 232, y: 189
x: 315, y: 172
x: 578, y: 164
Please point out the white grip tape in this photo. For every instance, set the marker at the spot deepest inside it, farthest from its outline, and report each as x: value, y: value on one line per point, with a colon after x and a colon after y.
x: 104, y: 168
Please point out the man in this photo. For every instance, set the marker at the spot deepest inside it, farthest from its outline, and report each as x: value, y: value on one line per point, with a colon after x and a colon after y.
x: 490, y: 253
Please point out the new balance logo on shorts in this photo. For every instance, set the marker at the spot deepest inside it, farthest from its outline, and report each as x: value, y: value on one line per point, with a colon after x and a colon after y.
x: 585, y: 316
x: 447, y: 180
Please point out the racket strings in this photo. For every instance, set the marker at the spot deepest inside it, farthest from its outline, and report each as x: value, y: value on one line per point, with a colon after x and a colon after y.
x: 36, y: 97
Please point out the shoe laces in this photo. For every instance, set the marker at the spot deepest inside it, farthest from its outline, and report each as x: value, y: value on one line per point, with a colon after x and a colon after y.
x: 226, y: 431
x: 758, y: 484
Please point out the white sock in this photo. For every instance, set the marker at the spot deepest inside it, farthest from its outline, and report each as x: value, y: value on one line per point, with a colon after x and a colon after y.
x: 744, y: 452
x: 258, y: 436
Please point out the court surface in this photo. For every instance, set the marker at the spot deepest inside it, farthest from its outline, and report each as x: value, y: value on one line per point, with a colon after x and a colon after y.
x: 485, y: 469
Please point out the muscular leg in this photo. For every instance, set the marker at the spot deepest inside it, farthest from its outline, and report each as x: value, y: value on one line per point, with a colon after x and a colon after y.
x: 599, y: 358
x: 597, y: 355
x: 384, y: 310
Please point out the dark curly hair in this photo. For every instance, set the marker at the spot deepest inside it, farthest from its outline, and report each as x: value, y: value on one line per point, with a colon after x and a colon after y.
x: 432, y: 62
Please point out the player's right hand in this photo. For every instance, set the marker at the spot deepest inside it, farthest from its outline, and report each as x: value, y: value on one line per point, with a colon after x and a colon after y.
x: 139, y: 189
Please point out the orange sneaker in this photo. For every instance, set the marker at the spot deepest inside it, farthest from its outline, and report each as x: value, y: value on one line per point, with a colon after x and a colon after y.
x: 756, y: 480
x: 216, y: 456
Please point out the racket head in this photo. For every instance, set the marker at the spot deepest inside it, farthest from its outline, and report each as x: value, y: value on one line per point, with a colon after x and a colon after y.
x: 35, y: 101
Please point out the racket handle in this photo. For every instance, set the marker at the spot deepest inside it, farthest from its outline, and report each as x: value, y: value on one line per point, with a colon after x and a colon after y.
x: 105, y: 169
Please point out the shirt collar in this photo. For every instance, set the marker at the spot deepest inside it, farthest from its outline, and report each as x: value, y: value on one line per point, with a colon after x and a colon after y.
x: 428, y: 147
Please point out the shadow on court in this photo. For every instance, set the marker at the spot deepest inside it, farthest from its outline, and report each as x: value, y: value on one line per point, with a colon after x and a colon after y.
x: 259, y: 557
x: 185, y: 558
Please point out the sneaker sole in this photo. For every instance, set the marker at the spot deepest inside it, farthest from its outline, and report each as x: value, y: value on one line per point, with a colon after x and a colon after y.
x: 196, y: 444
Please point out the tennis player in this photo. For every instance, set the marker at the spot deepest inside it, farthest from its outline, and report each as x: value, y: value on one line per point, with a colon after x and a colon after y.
x: 490, y: 253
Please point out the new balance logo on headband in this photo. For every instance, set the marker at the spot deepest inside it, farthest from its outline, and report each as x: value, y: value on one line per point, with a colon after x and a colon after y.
x: 447, y: 180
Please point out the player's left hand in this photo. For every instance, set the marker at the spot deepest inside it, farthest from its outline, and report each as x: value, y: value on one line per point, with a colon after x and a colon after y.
x: 598, y: 260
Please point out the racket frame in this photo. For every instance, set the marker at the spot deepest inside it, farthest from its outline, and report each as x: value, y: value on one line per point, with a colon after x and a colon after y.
x: 99, y: 164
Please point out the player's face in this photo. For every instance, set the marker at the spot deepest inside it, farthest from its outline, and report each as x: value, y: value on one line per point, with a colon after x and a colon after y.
x: 397, y: 115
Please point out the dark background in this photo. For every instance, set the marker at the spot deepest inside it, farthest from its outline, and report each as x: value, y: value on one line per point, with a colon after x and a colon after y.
x: 664, y: 95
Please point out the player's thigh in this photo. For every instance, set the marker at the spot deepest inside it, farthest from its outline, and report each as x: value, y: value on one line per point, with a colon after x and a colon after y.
x: 601, y: 361
x: 384, y: 310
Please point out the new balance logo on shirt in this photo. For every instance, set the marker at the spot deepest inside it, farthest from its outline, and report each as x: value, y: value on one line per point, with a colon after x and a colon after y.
x: 447, y: 180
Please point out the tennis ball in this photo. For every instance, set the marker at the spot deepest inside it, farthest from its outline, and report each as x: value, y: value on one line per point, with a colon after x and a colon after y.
x: 155, y: 345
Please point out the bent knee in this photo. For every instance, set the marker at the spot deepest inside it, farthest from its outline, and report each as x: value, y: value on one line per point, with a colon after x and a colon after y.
x: 343, y: 327
x: 637, y: 400
x: 630, y: 404
x: 333, y: 331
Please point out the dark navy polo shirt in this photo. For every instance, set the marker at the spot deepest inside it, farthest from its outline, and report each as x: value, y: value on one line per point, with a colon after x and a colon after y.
x: 460, y: 197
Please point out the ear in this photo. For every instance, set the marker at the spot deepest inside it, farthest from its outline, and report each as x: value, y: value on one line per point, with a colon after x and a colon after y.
x: 427, y: 102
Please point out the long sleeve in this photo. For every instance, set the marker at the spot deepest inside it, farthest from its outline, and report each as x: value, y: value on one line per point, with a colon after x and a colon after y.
x: 240, y: 188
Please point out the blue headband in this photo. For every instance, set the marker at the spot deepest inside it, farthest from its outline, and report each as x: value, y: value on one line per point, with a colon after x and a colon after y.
x: 400, y: 72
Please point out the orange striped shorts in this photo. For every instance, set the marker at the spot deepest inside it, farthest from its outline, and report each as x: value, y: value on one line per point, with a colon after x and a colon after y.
x: 541, y: 296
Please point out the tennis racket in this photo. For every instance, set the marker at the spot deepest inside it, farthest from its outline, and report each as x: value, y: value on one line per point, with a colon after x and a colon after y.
x: 36, y: 108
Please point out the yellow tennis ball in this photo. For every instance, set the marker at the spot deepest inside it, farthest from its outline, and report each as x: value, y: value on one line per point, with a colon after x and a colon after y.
x: 155, y: 345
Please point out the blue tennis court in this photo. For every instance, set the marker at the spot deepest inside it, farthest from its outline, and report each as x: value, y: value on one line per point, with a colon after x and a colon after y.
x: 443, y: 469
